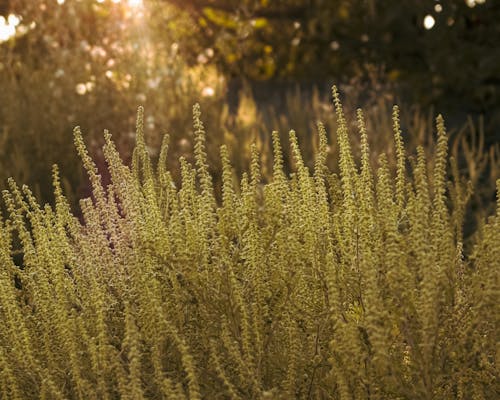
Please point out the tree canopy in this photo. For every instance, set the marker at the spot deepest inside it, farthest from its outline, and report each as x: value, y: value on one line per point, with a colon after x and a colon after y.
x: 436, y: 48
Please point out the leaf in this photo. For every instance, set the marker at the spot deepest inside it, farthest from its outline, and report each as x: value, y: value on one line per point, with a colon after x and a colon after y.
x: 219, y: 18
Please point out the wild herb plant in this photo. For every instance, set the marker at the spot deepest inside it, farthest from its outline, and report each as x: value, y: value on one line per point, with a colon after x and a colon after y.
x: 315, y: 285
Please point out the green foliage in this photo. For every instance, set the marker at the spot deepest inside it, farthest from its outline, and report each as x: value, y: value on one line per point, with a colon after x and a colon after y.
x: 319, y: 39
x: 313, y: 285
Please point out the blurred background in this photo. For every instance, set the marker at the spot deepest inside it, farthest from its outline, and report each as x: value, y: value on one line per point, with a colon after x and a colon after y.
x: 255, y: 66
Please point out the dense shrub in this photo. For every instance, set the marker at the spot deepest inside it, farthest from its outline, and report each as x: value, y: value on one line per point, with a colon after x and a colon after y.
x: 314, y: 285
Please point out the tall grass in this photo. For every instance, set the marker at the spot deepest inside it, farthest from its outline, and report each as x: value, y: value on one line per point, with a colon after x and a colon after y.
x: 313, y: 284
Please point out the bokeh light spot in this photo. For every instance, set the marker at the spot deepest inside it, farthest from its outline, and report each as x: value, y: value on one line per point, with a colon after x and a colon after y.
x: 8, y: 27
x: 429, y: 22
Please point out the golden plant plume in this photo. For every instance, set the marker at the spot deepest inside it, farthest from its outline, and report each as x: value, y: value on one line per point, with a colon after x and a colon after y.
x: 312, y: 285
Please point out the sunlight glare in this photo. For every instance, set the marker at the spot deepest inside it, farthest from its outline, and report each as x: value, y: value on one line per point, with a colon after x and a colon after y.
x: 13, y: 20
x: 135, y: 3
x: 8, y: 27
x: 130, y: 3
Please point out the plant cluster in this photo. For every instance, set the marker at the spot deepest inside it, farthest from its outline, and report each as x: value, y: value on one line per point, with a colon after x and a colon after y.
x: 93, y: 61
x: 314, y: 285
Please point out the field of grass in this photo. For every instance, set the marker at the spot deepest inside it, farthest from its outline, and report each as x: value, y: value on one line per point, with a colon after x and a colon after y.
x: 324, y: 270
